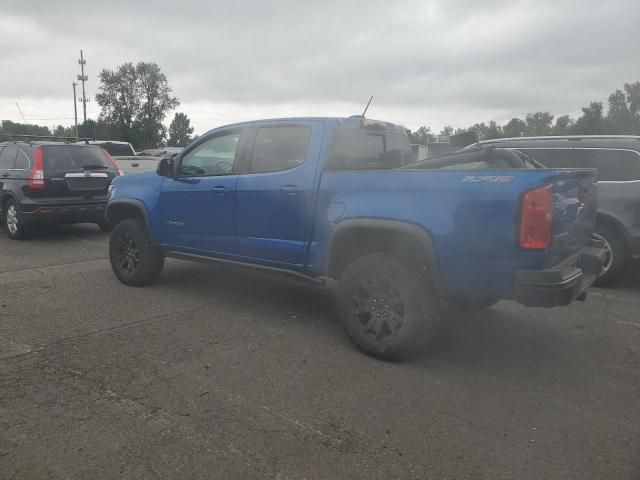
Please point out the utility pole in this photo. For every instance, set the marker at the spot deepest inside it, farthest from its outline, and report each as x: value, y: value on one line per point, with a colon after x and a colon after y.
x: 83, y: 78
x: 75, y: 108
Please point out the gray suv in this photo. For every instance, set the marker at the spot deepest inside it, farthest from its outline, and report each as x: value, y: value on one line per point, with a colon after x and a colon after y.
x: 617, y: 159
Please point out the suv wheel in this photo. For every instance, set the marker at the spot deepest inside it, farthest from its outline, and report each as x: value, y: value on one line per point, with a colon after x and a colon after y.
x: 13, y: 221
x: 134, y: 260
x: 617, y: 256
x: 388, y: 309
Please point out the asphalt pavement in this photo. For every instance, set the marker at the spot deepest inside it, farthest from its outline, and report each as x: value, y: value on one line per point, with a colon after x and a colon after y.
x: 219, y: 373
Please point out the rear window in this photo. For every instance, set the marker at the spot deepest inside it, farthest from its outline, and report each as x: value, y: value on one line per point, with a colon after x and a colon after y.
x: 61, y: 158
x: 279, y: 148
x: 117, y: 149
x: 612, y: 165
x: 8, y: 158
x: 360, y: 149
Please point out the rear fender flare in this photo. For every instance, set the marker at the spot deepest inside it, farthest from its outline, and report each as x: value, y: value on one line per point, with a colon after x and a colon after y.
x: 412, y: 230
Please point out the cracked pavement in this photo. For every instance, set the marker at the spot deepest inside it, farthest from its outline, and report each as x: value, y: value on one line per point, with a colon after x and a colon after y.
x: 221, y: 373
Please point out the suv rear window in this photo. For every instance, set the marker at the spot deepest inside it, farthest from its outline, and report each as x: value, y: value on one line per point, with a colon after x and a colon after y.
x: 612, y: 165
x: 63, y: 158
x: 360, y: 149
x: 117, y: 149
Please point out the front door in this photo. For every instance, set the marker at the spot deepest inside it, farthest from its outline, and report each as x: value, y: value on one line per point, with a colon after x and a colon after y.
x: 198, y: 205
x: 276, y: 192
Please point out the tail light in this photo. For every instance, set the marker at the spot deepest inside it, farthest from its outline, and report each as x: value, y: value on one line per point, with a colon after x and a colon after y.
x: 536, y: 219
x: 114, y: 163
x: 36, y: 178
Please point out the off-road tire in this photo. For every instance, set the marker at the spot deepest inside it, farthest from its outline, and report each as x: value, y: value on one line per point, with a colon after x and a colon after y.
x: 411, y: 297
x: 134, y: 259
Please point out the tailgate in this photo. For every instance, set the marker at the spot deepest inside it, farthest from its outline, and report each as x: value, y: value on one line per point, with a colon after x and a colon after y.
x: 70, y: 171
x: 574, y: 212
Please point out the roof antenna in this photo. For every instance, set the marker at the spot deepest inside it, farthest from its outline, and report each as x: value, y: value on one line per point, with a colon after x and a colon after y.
x: 25, y: 120
x: 367, y: 107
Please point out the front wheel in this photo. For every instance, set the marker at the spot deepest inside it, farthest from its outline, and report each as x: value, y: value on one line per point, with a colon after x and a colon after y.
x: 134, y: 259
x: 388, y: 309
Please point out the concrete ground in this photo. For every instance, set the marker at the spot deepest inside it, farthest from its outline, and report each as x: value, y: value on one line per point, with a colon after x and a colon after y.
x: 218, y: 373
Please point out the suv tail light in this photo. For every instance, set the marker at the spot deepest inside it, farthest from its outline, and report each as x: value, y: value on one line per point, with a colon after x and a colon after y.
x: 36, y: 178
x: 115, y: 164
x: 536, y: 219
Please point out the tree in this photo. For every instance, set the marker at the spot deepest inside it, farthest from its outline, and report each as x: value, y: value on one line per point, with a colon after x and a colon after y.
x: 539, y: 123
x: 180, y: 130
x: 445, y: 133
x: 480, y: 129
x: 7, y: 127
x: 134, y: 101
x: 422, y: 135
x: 592, y: 121
x: 563, y: 126
x: 156, y: 102
x: 493, y: 131
x: 516, y: 127
x: 61, y: 131
x: 99, y: 130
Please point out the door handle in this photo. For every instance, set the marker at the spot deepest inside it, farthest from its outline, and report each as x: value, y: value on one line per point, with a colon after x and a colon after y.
x: 220, y: 189
x: 5, y: 175
x: 290, y: 189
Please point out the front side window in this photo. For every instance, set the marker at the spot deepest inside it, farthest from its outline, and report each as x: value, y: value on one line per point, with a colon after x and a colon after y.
x: 612, y: 165
x: 215, y: 156
x: 279, y: 148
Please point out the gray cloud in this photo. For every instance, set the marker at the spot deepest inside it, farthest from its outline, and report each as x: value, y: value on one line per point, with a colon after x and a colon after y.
x: 427, y: 62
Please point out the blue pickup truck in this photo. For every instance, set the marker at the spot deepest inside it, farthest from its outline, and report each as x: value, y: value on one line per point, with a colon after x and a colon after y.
x: 341, y: 201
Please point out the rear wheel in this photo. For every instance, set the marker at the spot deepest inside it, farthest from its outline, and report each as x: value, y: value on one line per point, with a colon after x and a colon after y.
x: 388, y: 309
x: 616, y: 254
x: 134, y: 259
x: 13, y: 221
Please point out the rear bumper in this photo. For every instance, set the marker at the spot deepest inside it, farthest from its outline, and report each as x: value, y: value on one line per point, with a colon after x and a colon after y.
x: 54, y: 213
x: 562, y: 284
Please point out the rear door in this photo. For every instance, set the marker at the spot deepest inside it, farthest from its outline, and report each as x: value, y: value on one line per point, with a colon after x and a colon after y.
x: 276, y: 191
x: 75, y: 172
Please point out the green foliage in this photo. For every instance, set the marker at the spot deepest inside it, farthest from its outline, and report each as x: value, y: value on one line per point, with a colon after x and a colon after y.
x: 7, y: 127
x: 622, y: 118
x: 180, y: 130
x: 134, y: 101
x: 516, y: 127
x: 592, y: 122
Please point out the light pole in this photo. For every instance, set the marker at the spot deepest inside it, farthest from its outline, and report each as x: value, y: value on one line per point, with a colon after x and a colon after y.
x: 75, y: 108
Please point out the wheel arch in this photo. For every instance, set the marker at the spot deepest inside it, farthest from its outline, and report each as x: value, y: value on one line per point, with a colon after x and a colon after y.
x: 354, y: 238
x: 122, y: 209
x: 616, y: 225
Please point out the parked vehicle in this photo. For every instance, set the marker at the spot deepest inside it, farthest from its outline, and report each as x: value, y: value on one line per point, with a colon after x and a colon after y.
x: 420, y: 152
x: 53, y: 182
x: 338, y: 199
x: 113, y: 147
x: 617, y: 159
x: 160, y: 152
x: 137, y: 164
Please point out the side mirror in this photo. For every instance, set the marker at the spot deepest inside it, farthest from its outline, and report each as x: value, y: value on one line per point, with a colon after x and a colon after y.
x: 165, y: 167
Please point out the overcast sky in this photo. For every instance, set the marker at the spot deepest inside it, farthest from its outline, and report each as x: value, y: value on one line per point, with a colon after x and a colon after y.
x: 434, y: 63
